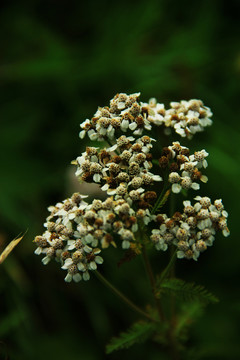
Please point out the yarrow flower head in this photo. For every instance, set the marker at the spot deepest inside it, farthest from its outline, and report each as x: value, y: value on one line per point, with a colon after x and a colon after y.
x: 136, y: 171
x: 192, y: 231
x: 127, y: 113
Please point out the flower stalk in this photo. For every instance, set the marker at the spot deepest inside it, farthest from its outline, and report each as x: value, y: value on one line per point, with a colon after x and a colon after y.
x: 125, y: 299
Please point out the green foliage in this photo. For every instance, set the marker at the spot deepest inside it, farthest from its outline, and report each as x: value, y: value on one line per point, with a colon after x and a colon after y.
x: 187, y: 291
x: 137, y: 333
x: 161, y: 200
x: 188, y: 314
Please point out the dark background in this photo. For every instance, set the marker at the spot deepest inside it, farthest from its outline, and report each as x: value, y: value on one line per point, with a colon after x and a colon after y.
x: 58, y: 62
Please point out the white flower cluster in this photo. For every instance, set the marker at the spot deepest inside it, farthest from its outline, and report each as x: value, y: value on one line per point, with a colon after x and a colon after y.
x: 122, y: 170
x: 188, y: 165
x: 188, y: 117
x: 127, y: 113
x: 193, y: 230
x: 75, y: 229
x: 126, y: 171
x: 64, y: 241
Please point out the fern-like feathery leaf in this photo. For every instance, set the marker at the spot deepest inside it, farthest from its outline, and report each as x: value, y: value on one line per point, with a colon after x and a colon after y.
x: 137, y: 333
x: 187, y: 291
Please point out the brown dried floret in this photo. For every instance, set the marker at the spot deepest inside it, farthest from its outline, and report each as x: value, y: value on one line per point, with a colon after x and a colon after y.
x: 185, y: 152
x: 76, y: 198
x: 177, y: 216
x: 170, y: 224
x: 104, y: 156
x: 136, y: 147
x: 163, y: 162
x: 167, y: 152
x: 150, y: 196
x: 181, y: 159
x: 68, y: 206
x: 91, y: 150
x: 139, y: 120
x: 116, y: 159
x: 196, y: 175
x: 143, y: 204
x: 160, y: 219
x: 87, y: 177
x: 149, y: 157
x: 98, y: 222
x: 112, y: 182
x: 174, y: 167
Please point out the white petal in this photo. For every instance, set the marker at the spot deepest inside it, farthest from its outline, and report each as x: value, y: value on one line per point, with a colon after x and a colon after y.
x: 87, y: 249
x: 205, y: 164
x: 112, y: 148
x: 71, y: 216
x: 125, y: 244
x: 180, y: 254
x: 111, y: 192
x: 204, y: 179
x: 157, y: 178
x: 68, y: 278
x: 176, y: 188
x: 195, y: 186
x: 92, y: 265
x: 133, y: 126
x: 86, y: 276
x: 98, y: 259
x: 77, y: 277
x: 81, y: 266
x: 138, y: 131
x: 67, y: 263
x: 124, y: 125
x: 196, y: 255
x: 198, y: 198
x: 46, y: 260
x: 96, y: 177
x: 197, y: 207
x: 82, y: 134
x: 38, y: 251
x: 226, y: 232
x: 224, y: 213
x: 121, y: 105
x: 185, y: 226
x: 105, y: 187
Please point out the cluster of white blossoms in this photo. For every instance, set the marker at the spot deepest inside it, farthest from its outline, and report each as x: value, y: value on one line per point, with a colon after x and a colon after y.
x: 122, y: 170
x: 193, y: 230
x: 128, y: 171
x: 75, y: 230
x: 184, y: 168
x: 127, y: 113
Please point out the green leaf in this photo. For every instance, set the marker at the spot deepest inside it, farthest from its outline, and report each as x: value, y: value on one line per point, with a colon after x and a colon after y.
x: 161, y: 200
x: 189, y: 314
x: 187, y: 291
x: 137, y: 333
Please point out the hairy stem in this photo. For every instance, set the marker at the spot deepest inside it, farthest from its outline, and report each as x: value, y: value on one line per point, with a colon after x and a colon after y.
x: 122, y: 296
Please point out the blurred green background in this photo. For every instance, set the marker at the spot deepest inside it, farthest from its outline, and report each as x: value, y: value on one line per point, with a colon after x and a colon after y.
x: 58, y: 62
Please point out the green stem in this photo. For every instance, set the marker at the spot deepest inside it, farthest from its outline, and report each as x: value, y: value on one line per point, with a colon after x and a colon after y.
x: 122, y: 296
x: 152, y: 281
x: 168, y: 267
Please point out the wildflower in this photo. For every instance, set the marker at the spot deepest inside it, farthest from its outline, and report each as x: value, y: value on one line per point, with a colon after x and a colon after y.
x: 194, y: 230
